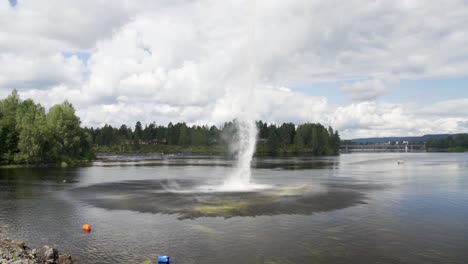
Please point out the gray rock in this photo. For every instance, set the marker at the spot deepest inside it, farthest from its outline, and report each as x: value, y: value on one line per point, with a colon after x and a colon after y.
x: 47, y: 255
x: 19, y: 243
x: 65, y: 259
x: 15, y: 252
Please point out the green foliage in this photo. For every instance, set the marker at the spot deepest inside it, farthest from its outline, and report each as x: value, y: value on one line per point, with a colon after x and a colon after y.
x: 316, y: 139
x: 69, y: 140
x: 33, y: 133
x: 285, y: 139
x: 30, y: 136
x: 138, y: 131
x: 184, y: 135
x: 8, y: 134
x: 200, y: 136
x: 455, y: 143
x: 273, y: 139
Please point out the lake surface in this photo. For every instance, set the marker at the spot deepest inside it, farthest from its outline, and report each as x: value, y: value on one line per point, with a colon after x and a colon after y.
x: 356, y: 208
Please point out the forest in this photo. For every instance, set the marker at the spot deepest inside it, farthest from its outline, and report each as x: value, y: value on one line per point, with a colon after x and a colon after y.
x: 287, y: 138
x: 452, y: 143
x: 31, y: 135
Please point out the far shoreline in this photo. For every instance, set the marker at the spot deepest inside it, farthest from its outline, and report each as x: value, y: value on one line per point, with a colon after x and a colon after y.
x: 98, y: 157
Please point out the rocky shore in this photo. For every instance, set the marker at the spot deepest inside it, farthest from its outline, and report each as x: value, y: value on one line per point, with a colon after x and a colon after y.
x: 15, y: 252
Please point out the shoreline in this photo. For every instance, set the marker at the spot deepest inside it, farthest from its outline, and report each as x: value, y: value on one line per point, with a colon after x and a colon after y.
x: 15, y: 251
x: 98, y: 156
x: 62, y: 164
x: 84, y: 163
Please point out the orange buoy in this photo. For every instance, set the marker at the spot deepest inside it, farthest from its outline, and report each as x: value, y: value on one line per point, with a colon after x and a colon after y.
x: 87, y: 227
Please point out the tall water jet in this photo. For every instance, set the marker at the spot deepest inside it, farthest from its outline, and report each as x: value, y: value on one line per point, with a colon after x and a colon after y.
x: 246, y: 125
x: 247, y: 139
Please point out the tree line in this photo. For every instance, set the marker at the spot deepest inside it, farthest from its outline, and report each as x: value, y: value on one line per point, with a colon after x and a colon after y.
x: 310, y: 138
x: 453, y: 143
x: 30, y: 135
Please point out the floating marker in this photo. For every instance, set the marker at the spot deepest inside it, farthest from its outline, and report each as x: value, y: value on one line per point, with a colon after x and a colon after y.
x: 86, y: 227
x: 164, y: 259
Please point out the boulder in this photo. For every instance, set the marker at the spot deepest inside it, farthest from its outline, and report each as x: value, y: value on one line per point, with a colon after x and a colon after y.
x: 47, y: 255
x: 15, y: 252
x: 19, y: 243
x: 65, y: 259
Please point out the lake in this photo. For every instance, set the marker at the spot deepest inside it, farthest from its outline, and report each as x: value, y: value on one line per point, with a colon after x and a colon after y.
x: 355, y: 208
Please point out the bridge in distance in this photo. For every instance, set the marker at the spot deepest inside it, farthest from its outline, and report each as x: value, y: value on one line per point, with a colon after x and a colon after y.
x: 383, y: 148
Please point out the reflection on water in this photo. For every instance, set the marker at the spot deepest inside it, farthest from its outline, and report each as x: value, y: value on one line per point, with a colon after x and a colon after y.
x: 184, y: 160
x: 357, y: 208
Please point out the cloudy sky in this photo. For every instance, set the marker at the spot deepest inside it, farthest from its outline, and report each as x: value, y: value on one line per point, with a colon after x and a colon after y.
x: 368, y: 68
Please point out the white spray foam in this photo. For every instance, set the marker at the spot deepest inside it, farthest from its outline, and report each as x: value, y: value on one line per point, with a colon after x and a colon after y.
x: 240, y: 179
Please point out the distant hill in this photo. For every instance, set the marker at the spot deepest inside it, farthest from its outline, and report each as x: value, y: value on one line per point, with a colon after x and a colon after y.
x: 409, y: 139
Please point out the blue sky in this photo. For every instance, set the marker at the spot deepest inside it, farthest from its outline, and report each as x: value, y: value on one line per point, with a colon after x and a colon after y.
x: 81, y: 55
x: 407, y: 91
x: 430, y: 91
x: 13, y: 2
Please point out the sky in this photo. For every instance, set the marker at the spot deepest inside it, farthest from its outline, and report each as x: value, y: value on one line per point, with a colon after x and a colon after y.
x: 367, y: 68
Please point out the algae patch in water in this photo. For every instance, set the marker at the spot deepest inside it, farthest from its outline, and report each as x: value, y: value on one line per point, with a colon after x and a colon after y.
x: 205, y: 229
x: 186, y: 202
x: 220, y: 209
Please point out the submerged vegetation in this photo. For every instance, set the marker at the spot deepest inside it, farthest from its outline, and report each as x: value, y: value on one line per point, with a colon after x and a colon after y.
x: 31, y: 136
x: 184, y: 199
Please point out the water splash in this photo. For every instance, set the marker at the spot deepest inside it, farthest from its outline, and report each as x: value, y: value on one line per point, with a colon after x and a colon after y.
x: 246, y: 125
x: 247, y: 139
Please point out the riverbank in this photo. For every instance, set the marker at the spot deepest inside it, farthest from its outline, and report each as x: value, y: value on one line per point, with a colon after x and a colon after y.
x: 63, y: 164
x: 16, y: 252
x: 261, y: 150
x: 167, y: 149
x: 449, y: 150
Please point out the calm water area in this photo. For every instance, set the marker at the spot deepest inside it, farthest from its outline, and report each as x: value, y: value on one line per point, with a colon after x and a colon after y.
x: 355, y: 208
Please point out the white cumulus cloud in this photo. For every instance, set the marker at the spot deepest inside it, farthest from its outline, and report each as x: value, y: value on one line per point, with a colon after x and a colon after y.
x: 189, y: 61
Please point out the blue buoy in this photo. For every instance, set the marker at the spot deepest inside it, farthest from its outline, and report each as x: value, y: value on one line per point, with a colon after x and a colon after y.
x: 164, y: 259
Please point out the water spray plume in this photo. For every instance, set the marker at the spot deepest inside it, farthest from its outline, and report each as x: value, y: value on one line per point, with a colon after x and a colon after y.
x: 246, y: 126
x: 240, y: 178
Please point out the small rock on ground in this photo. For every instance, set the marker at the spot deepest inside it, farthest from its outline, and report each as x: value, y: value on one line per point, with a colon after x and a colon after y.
x: 15, y: 252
